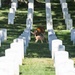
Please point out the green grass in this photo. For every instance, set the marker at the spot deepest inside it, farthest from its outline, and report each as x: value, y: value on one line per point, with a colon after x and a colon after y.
x: 37, y: 66
x: 37, y: 60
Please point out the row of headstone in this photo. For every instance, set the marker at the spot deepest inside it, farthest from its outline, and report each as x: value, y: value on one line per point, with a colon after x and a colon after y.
x: 9, y: 64
x: 63, y: 64
x: 51, y: 36
x: 29, y: 20
x: 66, y: 15
x: 3, y: 35
x: 49, y: 21
x: 15, y: 54
x: 55, y: 44
x: 26, y: 37
x: 12, y: 10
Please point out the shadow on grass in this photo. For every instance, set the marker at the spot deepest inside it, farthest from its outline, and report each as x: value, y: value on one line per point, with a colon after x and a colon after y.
x: 66, y: 39
x: 42, y: 50
x: 13, y: 31
x: 38, y: 50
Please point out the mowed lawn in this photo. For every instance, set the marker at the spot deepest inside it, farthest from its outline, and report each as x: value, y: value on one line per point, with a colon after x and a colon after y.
x: 38, y: 60
x: 37, y: 66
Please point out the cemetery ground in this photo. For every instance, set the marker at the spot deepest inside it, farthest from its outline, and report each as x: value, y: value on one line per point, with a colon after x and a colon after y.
x: 37, y: 60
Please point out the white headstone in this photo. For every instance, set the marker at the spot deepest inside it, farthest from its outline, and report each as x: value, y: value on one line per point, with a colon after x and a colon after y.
x: 62, y: 1
x: 67, y: 17
x: 51, y: 32
x: 26, y: 34
x: 14, y: 57
x: 61, y: 48
x: 21, y: 46
x: 16, y: 50
x: 49, y: 21
x: 30, y: 13
x: 0, y: 3
x: 64, y: 5
x: 72, y: 34
x: 11, y: 16
x: 70, y: 72
x: 1, y: 34
x: 0, y: 43
x: 64, y: 67
x: 12, y: 10
x: 25, y: 43
x: 7, y: 66
x: 15, y: 1
x: 69, y: 24
x: 29, y: 23
x: 2, y: 72
x: 50, y: 38
x: 31, y: 5
x: 55, y: 46
x: 61, y: 56
x: 65, y: 13
x: 14, y: 5
x: 4, y: 34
